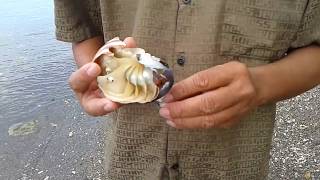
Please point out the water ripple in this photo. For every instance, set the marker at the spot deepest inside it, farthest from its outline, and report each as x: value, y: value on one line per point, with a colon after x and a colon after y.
x: 34, y: 67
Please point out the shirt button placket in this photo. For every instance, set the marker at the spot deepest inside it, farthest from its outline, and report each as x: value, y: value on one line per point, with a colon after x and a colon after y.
x: 179, y: 60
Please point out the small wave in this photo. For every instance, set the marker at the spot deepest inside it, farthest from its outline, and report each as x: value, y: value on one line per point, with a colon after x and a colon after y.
x: 37, y: 33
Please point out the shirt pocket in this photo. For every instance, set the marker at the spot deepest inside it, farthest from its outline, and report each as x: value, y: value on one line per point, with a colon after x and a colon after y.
x: 261, y: 30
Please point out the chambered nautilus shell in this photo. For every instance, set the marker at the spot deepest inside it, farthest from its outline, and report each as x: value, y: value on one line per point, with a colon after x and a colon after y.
x: 130, y: 75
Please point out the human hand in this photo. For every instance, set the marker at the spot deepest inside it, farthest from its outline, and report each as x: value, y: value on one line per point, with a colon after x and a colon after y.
x: 84, y: 83
x: 216, y: 97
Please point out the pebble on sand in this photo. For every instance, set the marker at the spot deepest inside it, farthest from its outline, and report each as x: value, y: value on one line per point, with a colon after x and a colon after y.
x: 22, y: 129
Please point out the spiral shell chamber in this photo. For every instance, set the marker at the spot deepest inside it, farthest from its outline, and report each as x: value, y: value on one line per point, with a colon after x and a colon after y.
x: 131, y: 75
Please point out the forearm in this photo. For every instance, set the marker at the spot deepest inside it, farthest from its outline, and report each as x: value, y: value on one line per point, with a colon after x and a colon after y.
x: 84, y: 51
x: 288, y: 77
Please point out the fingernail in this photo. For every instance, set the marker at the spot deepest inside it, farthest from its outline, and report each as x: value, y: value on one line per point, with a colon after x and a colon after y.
x: 168, y: 98
x: 162, y: 104
x: 92, y: 70
x: 164, y: 112
x: 170, y: 123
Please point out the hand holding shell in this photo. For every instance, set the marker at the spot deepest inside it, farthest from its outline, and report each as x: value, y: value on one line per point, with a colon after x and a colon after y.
x: 130, y: 75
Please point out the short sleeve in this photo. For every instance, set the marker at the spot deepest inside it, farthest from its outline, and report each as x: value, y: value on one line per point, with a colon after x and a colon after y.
x: 309, y: 31
x: 77, y: 20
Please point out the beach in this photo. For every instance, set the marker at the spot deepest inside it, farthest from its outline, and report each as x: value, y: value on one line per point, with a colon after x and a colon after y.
x: 44, y: 134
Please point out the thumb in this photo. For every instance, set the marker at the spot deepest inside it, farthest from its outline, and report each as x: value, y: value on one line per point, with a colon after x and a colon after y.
x: 130, y: 42
x: 81, y: 79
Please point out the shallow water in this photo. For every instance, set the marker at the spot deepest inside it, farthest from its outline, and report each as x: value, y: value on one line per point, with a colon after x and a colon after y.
x: 38, y: 111
x: 34, y: 66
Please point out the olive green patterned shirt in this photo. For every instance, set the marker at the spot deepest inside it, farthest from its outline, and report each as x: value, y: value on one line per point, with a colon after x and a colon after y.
x: 192, y: 35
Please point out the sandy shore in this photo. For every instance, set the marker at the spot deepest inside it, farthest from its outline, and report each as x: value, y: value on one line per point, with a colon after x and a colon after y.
x: 67, y: 144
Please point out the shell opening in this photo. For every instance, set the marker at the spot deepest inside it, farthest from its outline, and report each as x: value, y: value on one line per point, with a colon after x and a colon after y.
x: 130, y: 75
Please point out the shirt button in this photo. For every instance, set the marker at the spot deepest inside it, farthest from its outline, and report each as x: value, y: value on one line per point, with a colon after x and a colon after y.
x: 186, y: 1
x: 175, y: 166
x: 181, y: 60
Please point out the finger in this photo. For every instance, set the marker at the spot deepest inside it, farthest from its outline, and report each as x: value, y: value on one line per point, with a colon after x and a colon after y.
x: 95, y: 104
x: 130, y: 42
x: 200, y: 82
x: 99, y: 106
x: 80, y: 80
x: 210, y: 121
x: 206, y: 103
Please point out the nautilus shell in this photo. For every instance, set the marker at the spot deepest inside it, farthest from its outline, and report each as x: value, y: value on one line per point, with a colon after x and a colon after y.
x: 130, y: 75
